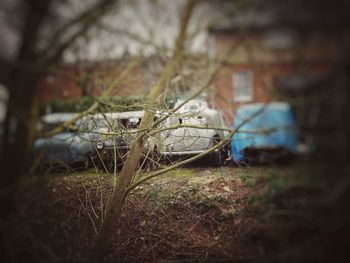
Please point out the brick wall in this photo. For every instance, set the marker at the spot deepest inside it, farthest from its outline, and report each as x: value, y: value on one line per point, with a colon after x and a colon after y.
x: 73, y: 81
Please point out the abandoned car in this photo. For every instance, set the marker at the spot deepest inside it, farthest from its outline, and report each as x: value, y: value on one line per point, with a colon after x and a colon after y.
x: 73, y: 146
x: 113, y: 148
x: 193, y: 131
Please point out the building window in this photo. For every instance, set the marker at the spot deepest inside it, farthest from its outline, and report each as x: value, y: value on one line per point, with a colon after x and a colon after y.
x: 242, y: 86
x: 279, y: 40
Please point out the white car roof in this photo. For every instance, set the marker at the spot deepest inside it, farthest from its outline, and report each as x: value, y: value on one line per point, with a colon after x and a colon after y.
x: 63, y: 117
x: 57, y: 117
x: 119, y: 115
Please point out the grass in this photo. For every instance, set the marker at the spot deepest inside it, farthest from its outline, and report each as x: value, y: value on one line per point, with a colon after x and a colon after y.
x: 248, y: 175
x: 274, y: 186
x: 187, y: 184
x: 253, y: 199
x: 164, y: 197
x: 278, y: 180
x: 214, y: 201
x: 88, y: 178
x: 180, y: 173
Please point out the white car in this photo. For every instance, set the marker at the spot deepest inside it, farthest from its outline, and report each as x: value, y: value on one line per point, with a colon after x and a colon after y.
x: 199, y: 129
x: 121, y: 133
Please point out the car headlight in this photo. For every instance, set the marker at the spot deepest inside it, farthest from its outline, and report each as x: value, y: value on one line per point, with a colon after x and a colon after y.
x: 99, y: 145
x: 170, y: 148
x: 147, y: 144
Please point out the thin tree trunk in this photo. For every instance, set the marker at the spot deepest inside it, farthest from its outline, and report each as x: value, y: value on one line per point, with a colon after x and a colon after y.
x: 117, y: 201
x: 21, y: 83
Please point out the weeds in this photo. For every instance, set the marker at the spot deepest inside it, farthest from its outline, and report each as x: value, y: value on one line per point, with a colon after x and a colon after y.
x: 246, y: 178
x: 152, y: 194
x: 252, y: 199
x: 180, y: 173
x: 179, y: 212
x: 212, y: 202
x: 163, y: 197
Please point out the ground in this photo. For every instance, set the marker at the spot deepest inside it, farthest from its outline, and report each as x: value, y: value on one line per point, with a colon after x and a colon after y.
x: 195, y: 213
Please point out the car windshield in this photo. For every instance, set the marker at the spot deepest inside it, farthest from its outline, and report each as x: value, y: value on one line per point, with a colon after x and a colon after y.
x: 81, y: 125
x: 192, y: 107
x: 52, y: 125
x: 129, y: 123
x: 91, y: 124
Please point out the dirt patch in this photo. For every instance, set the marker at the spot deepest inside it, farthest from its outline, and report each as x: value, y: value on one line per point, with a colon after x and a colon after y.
x: 199, y: 214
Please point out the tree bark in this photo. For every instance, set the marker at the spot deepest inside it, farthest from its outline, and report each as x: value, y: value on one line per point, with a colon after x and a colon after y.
x: 117, y: 201
x: 21, y: 82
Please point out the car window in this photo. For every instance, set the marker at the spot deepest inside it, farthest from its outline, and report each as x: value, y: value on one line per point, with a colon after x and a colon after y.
x: 133, y: 123
x: 88, y: 124
x: 52, y: 125
x: 110, y: 123
x: 93, y: 124
x: 128, y: 123
x: 192, y: 107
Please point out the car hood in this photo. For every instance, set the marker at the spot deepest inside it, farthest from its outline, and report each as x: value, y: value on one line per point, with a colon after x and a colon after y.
x: 120, y: 140
x: 58, y: 139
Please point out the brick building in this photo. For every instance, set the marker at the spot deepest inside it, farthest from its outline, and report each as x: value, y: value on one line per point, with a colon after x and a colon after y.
x: 260, y: 50
x: 72, y: 81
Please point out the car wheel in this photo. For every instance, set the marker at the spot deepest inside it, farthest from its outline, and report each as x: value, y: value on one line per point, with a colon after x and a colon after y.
x: 87, y: 162
x: 217, y: 158
x: 151, y: 162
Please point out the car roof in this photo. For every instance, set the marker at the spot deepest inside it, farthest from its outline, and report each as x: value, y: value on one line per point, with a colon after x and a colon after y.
x: 58, y: 117
x: 63, y: 117
x: 264, y: 114
x: 118, y: 115
x: 130, y: 114
x: 277, y: 105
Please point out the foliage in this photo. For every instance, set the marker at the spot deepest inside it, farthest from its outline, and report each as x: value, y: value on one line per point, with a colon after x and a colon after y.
x: 247, y: 176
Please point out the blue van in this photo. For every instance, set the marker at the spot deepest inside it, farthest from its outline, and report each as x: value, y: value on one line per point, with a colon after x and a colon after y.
x: 265, y: 132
